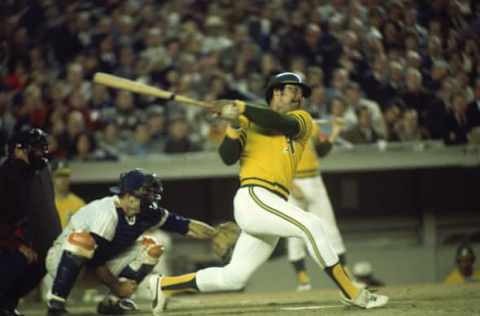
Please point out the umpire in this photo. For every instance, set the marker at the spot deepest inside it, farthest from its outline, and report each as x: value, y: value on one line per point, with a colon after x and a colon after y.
x: 28, y: 218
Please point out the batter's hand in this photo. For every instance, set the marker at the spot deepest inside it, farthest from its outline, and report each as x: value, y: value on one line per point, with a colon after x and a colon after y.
x: 29, y: 253
x: 216, y: 106
x: 231, y: 112
x: 125, y: 288
x: 200, y: 230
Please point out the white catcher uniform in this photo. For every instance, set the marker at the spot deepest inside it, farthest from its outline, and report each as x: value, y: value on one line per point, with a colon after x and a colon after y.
x: 101, y: 218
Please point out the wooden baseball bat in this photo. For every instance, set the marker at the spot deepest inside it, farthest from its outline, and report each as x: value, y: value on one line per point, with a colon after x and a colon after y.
x: 113, y: 81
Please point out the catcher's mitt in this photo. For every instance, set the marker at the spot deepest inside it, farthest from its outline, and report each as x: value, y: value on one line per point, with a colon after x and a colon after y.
x: 225, y: 239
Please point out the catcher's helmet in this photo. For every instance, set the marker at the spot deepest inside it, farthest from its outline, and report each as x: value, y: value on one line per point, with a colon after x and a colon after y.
x: 284, y: 78
x: 140, y: 183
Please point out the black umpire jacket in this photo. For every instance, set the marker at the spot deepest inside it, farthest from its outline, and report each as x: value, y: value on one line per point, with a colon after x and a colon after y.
x: 27, y: 207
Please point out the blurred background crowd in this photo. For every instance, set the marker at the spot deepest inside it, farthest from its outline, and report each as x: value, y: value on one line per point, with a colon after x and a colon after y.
x: 399, y: 70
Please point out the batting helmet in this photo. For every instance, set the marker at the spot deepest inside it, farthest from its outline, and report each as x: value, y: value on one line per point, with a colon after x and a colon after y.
x: 281, y: 79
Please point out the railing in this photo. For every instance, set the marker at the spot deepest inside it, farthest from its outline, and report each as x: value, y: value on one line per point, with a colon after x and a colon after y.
x: 383, y: 156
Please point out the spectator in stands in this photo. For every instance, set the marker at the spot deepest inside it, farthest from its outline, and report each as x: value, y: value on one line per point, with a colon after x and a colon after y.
x: 126, y: 63
x: 338, y: 107
x: 139, y: 144
x: 178, y: 140
x: 78, y: 103
x: 456, y: 122
x: 392, y: 116
x: 125, y: 114
x: 354, y: 99
x: 362, y: 132
x: 473, y: 109
x: 438, y: 73
x: 464, y: 270
x: 75, y: 126
x: 317, y: 105
x: 111, y: 142
x: 156, y: 122
x: 32, y: 112
x: 396, y: 79
x: 7, y: 121
x: 86, y: 148
x: 413, y: 60
x: 339, y: 81
x: 75, y: 81
x: 375, y: 83
x: 371, y: 43
x: 430, y: 110
x: 315, y: 76
x: 100, y: 97
x: 408, y: 129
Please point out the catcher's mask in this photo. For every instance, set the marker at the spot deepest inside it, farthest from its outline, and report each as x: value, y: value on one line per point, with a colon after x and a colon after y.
x: 34, y: 142
x: 281, y: 79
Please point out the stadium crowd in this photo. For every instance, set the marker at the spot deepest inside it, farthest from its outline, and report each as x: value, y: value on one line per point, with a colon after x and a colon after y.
x: 398, y: 70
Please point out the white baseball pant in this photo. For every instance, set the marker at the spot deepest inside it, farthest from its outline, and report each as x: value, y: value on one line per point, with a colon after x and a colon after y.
x: 317, y: 203
x: 117, y: 264
x: 264, y: 217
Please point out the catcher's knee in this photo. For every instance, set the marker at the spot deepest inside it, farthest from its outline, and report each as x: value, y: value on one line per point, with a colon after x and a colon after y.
x: 81, y: 244
x: 153, y: 250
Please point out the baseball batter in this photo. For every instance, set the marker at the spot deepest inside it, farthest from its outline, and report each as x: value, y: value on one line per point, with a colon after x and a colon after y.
x: 116, y: 237
x: 269, y: 142
x: 309, y: 193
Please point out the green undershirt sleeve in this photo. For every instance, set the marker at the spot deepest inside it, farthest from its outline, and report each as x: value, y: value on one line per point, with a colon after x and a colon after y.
x: 268, y: 119
x: 230, y: 150
x: 323, y: 148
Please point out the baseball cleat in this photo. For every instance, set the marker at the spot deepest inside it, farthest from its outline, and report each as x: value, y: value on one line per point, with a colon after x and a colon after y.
x: 159, y: 300
x: 114, y: 306
x: 365, y: 299
x: 56, y: 308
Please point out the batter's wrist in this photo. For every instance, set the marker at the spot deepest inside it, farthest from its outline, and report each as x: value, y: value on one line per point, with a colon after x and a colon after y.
x: 232, y: 132
x: 241, y: 106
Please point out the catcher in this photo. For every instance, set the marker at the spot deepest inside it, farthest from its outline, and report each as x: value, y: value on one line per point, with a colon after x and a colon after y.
x: 115, y: 237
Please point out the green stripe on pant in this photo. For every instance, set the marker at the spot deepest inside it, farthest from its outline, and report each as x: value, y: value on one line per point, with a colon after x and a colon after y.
x: 290, y: 220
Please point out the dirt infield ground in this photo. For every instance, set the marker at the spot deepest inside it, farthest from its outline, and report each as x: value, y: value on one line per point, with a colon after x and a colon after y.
x: 412, y: 300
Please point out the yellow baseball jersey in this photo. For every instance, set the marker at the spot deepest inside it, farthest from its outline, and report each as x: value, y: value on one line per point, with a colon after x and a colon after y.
x: 270, y: 159
x: 309, y: 164
x: 455, y: 277
x: 67, y: 206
